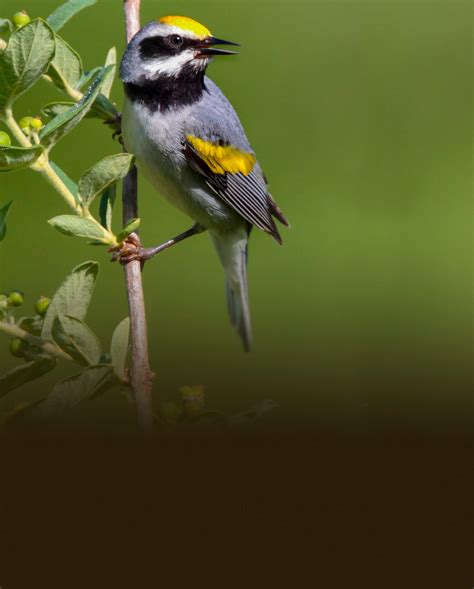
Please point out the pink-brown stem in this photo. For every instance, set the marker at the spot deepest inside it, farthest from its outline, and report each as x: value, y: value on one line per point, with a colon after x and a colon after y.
x: 141, y: 375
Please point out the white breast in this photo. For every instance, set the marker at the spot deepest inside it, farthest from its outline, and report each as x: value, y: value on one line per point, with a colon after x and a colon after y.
x: 156, y: 141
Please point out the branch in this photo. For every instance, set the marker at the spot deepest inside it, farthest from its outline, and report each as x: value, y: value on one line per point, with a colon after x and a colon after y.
x: 141, y: 375
x: 47, y: 347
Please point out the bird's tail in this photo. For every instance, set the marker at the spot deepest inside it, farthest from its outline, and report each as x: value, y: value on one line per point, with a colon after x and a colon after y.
x: 232, y: 250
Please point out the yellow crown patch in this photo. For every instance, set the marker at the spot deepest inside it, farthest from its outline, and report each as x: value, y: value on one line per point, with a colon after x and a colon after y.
x: 187, y: 24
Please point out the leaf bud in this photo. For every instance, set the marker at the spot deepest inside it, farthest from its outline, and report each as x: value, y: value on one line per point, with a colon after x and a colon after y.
x: 21, y: 18
x: 5, y: 140
x: 171, y: 412
x: 25, y: 125
x: 15, y: 298
x: 36, y: 124
x: 18, y: 347
x: 42, y: 305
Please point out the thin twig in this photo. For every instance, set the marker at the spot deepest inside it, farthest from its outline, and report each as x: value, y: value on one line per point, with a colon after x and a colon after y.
x: 141, y: 374
x: 48, y: 348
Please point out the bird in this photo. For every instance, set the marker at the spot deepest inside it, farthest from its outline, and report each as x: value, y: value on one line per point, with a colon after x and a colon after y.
x: 188, y: 141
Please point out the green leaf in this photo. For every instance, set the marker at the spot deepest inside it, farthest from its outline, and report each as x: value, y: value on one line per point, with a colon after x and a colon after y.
x: 6, y: 25
x: 87, y: 77
x: 73, y: 390
x: 73, y: 296
x: 101, y: 109
x: 53, y: 109
x: 78, y: 227
x: 119, y: 347
x: 65, y: 12
x: 32, y: 325
x: 15, y: 158
x: 130, y: 227
x: 28, y: 55
x: 64, y: 123
x: 77, y: 339
x: 103, y: 175
x: 66, y: 68
x: 72, y: 186
x: 107, y: 201
x: 111, y: 59
x: 24, y: 373
x: 3, y: 218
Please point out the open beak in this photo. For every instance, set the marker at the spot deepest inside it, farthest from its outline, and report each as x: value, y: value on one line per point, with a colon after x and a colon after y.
x: 207, y: 48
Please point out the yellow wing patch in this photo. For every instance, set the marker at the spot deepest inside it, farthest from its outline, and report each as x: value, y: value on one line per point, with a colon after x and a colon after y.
x: 223, y: 158
x: 187, y: 24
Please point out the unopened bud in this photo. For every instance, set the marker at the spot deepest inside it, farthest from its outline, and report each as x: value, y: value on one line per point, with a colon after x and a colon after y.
x: 16, y: 298
x: 21, y: 18
x: 5, y: 140
x: 42, y: 305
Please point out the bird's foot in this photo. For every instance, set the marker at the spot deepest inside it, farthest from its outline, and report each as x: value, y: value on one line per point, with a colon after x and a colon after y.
x: 129, y: 250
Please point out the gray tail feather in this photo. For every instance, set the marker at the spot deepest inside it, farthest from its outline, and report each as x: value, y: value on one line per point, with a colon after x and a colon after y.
x: 239, y: 311
x: 232, y: 250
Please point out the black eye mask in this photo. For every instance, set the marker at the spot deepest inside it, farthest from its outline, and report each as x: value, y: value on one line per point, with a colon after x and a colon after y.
x: 152, y: 47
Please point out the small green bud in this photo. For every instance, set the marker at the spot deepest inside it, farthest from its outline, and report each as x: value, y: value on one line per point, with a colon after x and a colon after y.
x: 18, y: 347
x: 25, y: 125
x: 193, y: 400
x: 171, y: 412
x: 36, y: 124
x: 21, y: 18
x: 42, y: 305
x: 5, y: 140
x: 16, y: 298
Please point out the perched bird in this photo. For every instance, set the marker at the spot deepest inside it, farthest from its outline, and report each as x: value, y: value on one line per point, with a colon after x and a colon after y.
x: 189, y: 143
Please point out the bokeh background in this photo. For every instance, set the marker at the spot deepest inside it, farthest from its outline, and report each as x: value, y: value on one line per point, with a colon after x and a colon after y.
x: 361, y: 115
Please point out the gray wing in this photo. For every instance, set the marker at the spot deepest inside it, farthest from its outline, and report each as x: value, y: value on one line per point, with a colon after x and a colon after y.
x: 214, y: 120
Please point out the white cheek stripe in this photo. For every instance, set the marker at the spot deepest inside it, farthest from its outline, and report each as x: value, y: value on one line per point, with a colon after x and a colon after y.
x: 172, y: 66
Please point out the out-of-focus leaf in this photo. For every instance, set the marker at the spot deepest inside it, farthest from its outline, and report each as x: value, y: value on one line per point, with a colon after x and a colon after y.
x: 65, y: 12
x: 107, y: 201
x: 53, y: 109
x: 64, y: 123
x: 24, y: 373
x: 111, y: 59
x: 66, y: 68
x: 71, y: 185
x: 75, y: 226
x: 119, y: 347
x: 77, y: 339
x: 130, y: 227
x: 6, y: 25
x: 73, y: 390
x: 3, y: 219
x: 73, y: 296
x: 31, y: 325
x: 257, y: 411
x: 15, y: 158
x: 103, y: 175
x: 28, y: 55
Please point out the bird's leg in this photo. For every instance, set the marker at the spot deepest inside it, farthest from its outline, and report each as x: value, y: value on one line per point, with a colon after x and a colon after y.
x: 131, y: 249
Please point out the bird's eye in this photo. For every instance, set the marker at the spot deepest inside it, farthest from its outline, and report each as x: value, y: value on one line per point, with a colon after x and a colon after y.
x: 175, y: 40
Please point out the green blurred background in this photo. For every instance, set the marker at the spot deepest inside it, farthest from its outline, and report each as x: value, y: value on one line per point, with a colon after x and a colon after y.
x: 361, y: 115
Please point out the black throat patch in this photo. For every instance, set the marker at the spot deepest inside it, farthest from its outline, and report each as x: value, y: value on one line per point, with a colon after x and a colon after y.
x: 168, y: 92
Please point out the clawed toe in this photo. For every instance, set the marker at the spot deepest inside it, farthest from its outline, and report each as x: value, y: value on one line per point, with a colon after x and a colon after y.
x: 128, y: 251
